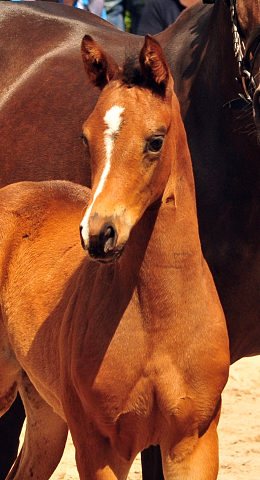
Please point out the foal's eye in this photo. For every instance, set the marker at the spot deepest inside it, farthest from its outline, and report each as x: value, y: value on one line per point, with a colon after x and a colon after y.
x: 155, y: 144
x: 85, y: 141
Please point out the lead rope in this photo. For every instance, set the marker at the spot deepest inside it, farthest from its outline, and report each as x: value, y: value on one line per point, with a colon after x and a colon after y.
x: 239, y: 47
x: 237, y: 43
x: 245, y: 77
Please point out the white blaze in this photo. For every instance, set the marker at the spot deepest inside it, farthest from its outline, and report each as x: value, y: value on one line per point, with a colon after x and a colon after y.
x: 113, y: 120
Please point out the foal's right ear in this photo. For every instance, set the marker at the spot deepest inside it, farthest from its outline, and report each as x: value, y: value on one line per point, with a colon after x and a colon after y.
x: 100, y: 67
x: 153, y: 65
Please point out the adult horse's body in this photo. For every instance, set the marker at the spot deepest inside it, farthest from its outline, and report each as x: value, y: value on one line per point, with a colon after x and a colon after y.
x: 45, y: 95
x: 224, y: 151
x: 128, y: 345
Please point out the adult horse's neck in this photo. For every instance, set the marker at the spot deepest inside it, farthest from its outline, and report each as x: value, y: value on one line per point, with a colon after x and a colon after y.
x: 204, y: 33
x: 225, y: 160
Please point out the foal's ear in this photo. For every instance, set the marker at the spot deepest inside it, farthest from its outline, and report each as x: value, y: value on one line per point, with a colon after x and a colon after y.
x: 100, y: 67
x: 154, y: 65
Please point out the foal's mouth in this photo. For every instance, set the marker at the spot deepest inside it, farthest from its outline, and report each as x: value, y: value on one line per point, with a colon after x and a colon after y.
x: 109, y: 256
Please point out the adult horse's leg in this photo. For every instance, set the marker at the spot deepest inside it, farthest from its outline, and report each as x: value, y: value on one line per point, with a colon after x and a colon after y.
x: 45, y: 437
x: 152, y: 463
x: 10, y: 428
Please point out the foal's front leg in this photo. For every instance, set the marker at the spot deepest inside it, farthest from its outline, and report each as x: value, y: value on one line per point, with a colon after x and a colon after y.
x: 96, y: 458
x: 45, y: 438
x: 201, y: 464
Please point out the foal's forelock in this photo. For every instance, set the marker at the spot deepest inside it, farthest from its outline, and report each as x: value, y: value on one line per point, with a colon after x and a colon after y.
x: 131, y: 74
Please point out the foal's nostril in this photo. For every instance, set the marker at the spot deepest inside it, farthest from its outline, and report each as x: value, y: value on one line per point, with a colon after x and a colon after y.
x: 108, y: 237
x: 81, y: 237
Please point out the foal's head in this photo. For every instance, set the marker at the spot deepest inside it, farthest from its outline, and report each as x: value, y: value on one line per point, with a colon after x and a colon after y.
x: 129, y: 143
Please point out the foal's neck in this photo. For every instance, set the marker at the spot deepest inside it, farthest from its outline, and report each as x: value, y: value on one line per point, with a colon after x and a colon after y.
x: 173, y: 263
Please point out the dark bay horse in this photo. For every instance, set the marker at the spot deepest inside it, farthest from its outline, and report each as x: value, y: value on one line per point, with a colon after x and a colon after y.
x: 127, y: 344
x: 39, y: 45
x: 225, y: 155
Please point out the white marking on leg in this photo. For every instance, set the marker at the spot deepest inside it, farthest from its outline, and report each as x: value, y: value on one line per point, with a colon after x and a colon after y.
x: 113, y: 120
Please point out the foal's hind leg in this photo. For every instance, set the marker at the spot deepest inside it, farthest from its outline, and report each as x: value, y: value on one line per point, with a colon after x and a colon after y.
x: 45, y: 438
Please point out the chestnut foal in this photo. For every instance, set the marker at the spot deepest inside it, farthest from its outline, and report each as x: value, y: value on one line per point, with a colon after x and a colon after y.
x: 125, y: 345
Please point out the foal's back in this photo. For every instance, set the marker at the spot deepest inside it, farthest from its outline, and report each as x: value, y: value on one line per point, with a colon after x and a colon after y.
x: 41, y: 218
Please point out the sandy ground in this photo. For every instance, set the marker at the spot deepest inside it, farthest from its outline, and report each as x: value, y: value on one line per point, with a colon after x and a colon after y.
x: 239, y: 429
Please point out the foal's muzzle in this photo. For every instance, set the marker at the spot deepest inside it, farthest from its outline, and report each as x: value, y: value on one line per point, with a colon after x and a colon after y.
x: 102, y: 243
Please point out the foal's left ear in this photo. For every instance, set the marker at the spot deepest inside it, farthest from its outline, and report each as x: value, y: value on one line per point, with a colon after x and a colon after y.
x: 100, y: 67
x: 154, y: 65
